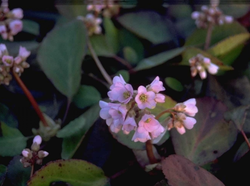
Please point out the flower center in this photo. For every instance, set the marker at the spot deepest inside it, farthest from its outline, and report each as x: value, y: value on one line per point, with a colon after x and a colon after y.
x: 126, y: 95
x: 143, y: 97
x: 148, y: 120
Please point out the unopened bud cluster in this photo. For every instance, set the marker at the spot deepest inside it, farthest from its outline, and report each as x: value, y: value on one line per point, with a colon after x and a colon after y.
x: 129, y: 109
x: 34, y: 155
x: 92, y: 23
x: 199, y: 64
x: 182, y: 116
x: 210, y: 15
x: 8, y: 62
x: 105, y: 7
x: 10, y: 21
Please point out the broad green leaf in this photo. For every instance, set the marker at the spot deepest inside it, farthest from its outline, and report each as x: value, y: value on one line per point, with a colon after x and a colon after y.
x: 130, y: 55
x: 72, y: 128
x: 210, y: 137
x: 192, y: 52
x: 111, y: 34
x: 158, y: 59
x: 3, y: 171
x: 74, y: 172
x: 12, y: 142
x: 31, y: 27
x: 236, y: 10
x: 229, y: 45
x: 17, y: 174
x: 147, y: 24
x: 219, y: 33
x: 124, y: 73
x: 86, y: 96
x: 180, y: 171
x: 7, y: 116
x: 72, y: 10
x: 174, y: 84
x: 71, y: 144
x: 61, y: 54
x: 241, y: 151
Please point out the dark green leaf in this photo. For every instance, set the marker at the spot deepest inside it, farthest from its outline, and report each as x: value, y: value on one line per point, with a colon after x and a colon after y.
x: 12, y: 142
x: 158, y: 59
x: 244, y: 148
x: 130, y: 55
x: 86, y: 96
x: 61, y: 54
x: 182, y: 172
x: 73, y: 10
x: 174, y: 84
x: 211, y: 136
x: 3, y: 170
x: 74, y: 172
x: 30, y: 27
x: 17, y: 174
x: 7, y: 116
x: 147, y: 24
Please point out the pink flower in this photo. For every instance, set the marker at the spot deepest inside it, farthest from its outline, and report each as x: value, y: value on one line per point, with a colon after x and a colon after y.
x: 159, y: 98
x: 190, y: 107
x: 23, y: 52
x: 37, y: 139
x: 129, y: 125
x: 104, y: 112
x: 117, y: 79
x: 145, y: 98
x: 117, y: 111
x: 7, y: 60
x: 17, y: 13
x: 120, y: 92
x: 141, y: 135
x: 156, y: 85
x: 15, y: 26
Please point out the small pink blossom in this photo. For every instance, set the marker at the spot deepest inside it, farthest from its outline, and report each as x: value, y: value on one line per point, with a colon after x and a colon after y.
x: 190, y: 107
x: 141, y: 135
x: 129, y: 125
x: 37, y: 139
x: 17, y: 13
x: 145, y: 98
x: 7, y: 60
x: 104, y: 112
x: 117, y: 79
x: 121, y: 92
x: 15, y: 26
x: 23, y: 52
x: 156, y: 85
x: 159, y: 98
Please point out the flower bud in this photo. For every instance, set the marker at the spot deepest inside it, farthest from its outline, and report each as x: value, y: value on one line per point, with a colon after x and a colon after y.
x: 7, y: 60
x: 15, y: 26
x: 42, y: 154
x: 17, y: 13
x: 37, y: 139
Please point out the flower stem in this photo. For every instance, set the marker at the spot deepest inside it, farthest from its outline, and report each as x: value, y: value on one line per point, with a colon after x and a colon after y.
x: 209, y: 34
x: 31, y: 98
x: 245, y: 137
x: 32, y: 170
x: 150, y: 153
x: 98, y: 63
x: 66, y: 111
x: 163, y: 112
x: 123, y: 61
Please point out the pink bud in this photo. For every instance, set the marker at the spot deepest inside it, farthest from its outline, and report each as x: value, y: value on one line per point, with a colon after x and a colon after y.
x: 7, y: 60
x: 23, y: 52
x: 17, y: 13
x: 37, y: 139
x: 15, y: 26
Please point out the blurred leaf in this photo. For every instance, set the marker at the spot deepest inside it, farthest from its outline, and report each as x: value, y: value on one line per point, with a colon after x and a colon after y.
x: 74, y: 172
x: 61, y: 59
x: 228, y: 45
x: 86, y: 96
x: 220, y: 32
x: 13, y: 47
x: 182, y: 172
x: 241, y: 151
x: 71, y: 144
x: 124, y: 73
x: 130, y: 55
x: 158, y: 59
x: 236, y: 10
x: 72, y: 10
x: 31, y: 27
x: 7, y: 116
x: 174, y: 84
x: 3, y: 171
x: 111, y: 34
x: 12, y: 142
x: 161, y: 183
x: 72, y: 128
x: 192, y: 52
x: 211, y: 136
x: 148, y: 25
x: 17, y: 174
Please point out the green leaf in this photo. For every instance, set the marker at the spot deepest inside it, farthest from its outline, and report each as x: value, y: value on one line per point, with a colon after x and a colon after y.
x: 228, y: 45
x: 3, y: 171
x: 86, y: 96
x: 61, y: 54
x: 147, y: 24
x: 220, y: 32
x: 73, y: 10
x: 182, y: 172
x: 124, y: 73
x: 74, y: 172
x: 17, y: 174
x: 192, y: 52
x: 12, y: 142
x: 7, y: 116
x: 174, y: 84
x: 31, y: 27
x: 211, y: 136
x: 130, y: 55
x: 241, y: 151
x: 72, y: 128
x: 158, y: 59
x: 71, y: 144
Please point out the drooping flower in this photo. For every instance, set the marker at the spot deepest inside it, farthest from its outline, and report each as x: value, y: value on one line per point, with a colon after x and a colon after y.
x: 129, y: 125
x: 188, y: 107
x: 156, y: 85
x: 145, y: 99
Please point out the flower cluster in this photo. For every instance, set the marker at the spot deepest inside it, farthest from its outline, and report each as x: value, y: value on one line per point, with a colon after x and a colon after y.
x: 8, y: 62
x: 129, y: 109
x: 180, y: 116
x: 210, y: 15
x: 199, y: 64
x: 35, y: 155
x: 92, y: 24
x: 10, y: 23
